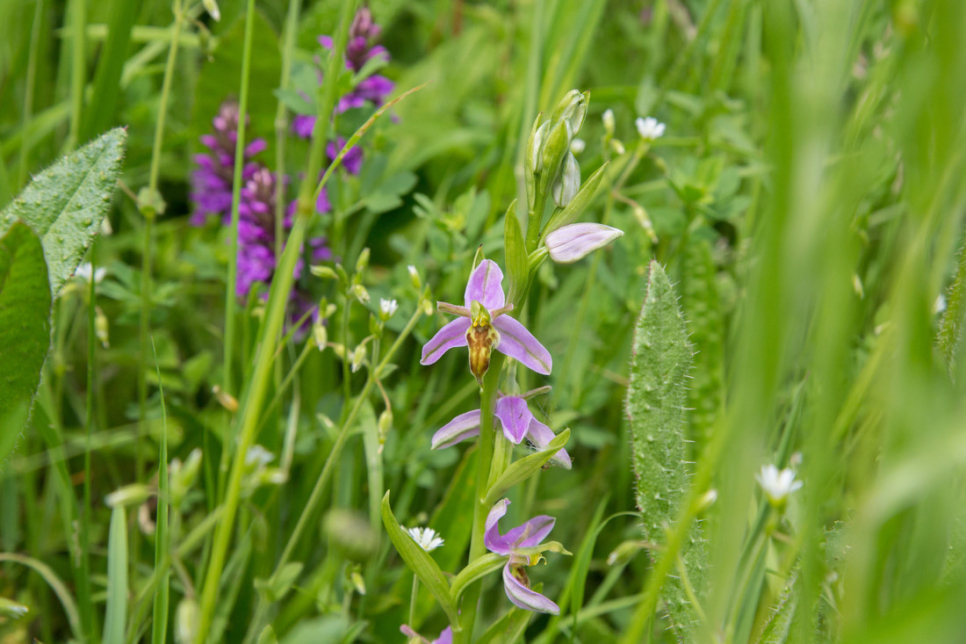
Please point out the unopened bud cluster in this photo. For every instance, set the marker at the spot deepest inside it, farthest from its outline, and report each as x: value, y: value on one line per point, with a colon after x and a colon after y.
x: 550, y: 152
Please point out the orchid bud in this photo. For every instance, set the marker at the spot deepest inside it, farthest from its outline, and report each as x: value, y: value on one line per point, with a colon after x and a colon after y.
x: 572, y: 108
x: 535, y: 147
x: 359, y: 292
x: 609, y: 123
x: 570, y: 243
x: 414, y: 277
x: 567, y: 183
x: 557, y: 147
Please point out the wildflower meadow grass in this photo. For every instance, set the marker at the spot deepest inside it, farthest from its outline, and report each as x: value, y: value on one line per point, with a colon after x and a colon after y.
x: 462, y: 322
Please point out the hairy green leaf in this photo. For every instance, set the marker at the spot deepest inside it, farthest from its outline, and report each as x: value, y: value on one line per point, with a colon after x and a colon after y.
x: 24, y: 328
x: 65, y: 203
x: 656, y: 397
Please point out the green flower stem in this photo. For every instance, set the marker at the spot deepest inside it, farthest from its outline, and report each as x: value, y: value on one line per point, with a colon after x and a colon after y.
x: 230, y: 297
x: 535, y: 218
x: 78, y: 71
x: 487, y: 443
x: 308, y: 512
x: 413, y: 597
x: 28, y: 97
x: 88, y: 619
x: 147, y: 259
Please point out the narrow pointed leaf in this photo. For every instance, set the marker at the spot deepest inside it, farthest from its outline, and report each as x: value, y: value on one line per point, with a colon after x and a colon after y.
x: 419, y: 562
x: 525, y: 468
x: 116, y: 614
x: 66, y: 203
x: 481, y: 567
x: 577, y: 206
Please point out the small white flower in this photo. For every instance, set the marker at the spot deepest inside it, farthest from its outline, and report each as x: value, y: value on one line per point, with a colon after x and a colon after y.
x: 414, y: 276
x: 649, y: 128
x: 387, y: 308
x: 777, y: 484
x: 608, y: 119
x: 577, y: 146
x: 425, y: 538
x: 258, y: 455
x: 84, y: 272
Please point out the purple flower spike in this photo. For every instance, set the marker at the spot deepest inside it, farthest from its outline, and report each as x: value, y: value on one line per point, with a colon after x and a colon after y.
x: 515, y: 579
x: 570, y: 243
x: 489, y: 328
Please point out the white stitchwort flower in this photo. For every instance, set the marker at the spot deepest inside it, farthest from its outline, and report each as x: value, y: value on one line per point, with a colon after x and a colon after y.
x: 426, y: 538
x: 387, y: 308
x: 258, y: 455
x: 577, y: 146
x: 649, y: 128
x: 777, y: 484
x: 84, y: 272
x: 414, y: 276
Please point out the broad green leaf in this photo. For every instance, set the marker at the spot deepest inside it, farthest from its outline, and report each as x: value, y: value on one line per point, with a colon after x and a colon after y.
x: 577, y: 206
x: 517, y: 261
x: 65, y: 203
x: 24, y: 328
x: 116, y: 612
x: 524, y: 468
x: 656, y: 398
x: 419, y: 562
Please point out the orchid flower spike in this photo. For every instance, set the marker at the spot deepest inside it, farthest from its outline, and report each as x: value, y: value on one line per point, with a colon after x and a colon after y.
x: 482, y: 326
x: 515, y: 579
x: 570, y: 243
x: 777, y: 485
x: 517, y: 421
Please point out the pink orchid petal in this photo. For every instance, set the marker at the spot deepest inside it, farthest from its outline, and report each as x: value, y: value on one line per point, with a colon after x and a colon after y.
x: 494, y: 541
x: 485, y: 286
x: 541, y: 435
x: 449, y: 337
x: 531, y: 533
x: 515, y: 416
x: 523, y: 597
x: 460, y: 428
x: 570, y: 243
x: 519, y: 344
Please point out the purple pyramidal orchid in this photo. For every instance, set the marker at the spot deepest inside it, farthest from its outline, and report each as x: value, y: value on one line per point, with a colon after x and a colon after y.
x: 528, y: 535
x: 445, y: 637
x: 482, y: 326
x: 517, y: 420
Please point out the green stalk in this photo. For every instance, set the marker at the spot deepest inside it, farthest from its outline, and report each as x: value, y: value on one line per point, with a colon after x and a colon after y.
x: 159, y: 620
x: 84, y: 583
x: 148, y: 210
x: 320, y: 485
x: 28, y: 98
x: 79, y: 26
x: 491, y: 383
x: 230, y: 297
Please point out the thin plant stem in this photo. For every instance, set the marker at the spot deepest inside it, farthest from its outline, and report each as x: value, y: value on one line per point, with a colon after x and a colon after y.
x: 144, y: 322
x: 84, y: 583
x: 230, y: 297
x: 28, y: 97
x: 77, y: 81
x: 412, y: 600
